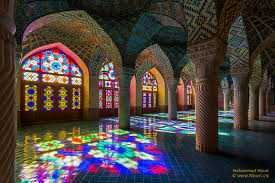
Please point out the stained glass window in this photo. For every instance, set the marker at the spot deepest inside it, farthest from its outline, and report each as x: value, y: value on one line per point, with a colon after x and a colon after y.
x: 149, y: 88
x: 76, y: 98
x: 48, y: 98
x: 53, y: 71
x: 189, y: 93
x: 108, y: 84
x: 30, y: 97
x: 62, y: 98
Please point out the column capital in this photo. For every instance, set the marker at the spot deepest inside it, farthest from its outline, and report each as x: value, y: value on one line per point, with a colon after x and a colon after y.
x: 210, y: 47
x: 206, y: 58
x: 172, y: 83
x: 253, y: 87
x: 240, y: 80
x: 125, y: 77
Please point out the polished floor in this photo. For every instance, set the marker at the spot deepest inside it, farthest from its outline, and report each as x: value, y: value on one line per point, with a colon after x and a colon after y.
x: 154, y: 150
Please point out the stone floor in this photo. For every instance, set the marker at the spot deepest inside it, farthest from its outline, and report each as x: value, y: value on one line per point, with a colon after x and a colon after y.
x: 154, y: 150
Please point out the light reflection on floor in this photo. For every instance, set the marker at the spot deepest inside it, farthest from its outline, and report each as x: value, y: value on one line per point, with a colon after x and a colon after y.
x: 47, y: 159
x: 160, y: 125
x: 190, y: 116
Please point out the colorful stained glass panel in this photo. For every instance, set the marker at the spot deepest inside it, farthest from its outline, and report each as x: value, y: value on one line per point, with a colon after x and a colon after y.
x: 149, y: 100
x: 189, y: 88
x: 30, y: 76
x: 48, y: 98
x: 49, y: 78
x: 75, y: 70
x: 76, y: 98
x: 154, y: 100
x: 107, y: 72
x: 62, y: 98
x: 146, y: 88
x: 76, y: 81
x: 100, y: 99
x: 30, y: 97
x: 32, y: 64
x: 144, y: 100
x: 116, y: 99
x: 109, y: 99
x: 53, y: 61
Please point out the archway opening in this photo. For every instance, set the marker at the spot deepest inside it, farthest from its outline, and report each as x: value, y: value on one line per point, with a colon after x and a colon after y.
x: 52, y: 85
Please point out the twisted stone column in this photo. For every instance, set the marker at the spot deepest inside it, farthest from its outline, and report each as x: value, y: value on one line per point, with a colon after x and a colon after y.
x: 172, y: 98
x: 7, y: 92
x: 206, y: 61
x: 240, y: 82
x: 262, y: 101
x: 124, y: 98
x: 226, y: 94
x: 253, y: 102
x: 268, y: 99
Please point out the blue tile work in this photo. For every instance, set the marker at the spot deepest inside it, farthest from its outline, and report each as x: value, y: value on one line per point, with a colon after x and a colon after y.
x: 88, y: 151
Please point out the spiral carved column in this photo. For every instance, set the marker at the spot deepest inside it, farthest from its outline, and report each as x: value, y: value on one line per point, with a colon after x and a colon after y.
x: 124, y: 99
x: 253, y: 102
x: 262, y: 100
x: 7, y: 92
x: 206, y: 58
x: 240, y: 82
x: 172, y: 98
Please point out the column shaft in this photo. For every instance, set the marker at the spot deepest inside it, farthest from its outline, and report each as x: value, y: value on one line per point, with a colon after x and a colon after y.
x: 268, y: 99
x: 124, y: 100
x: 138, y: 96
x: 206, y: 114
x: 172, y: 98
x: 226, y: 99
x: 7, y: 93
x: 262, y: 101
x: 206, y: 58
x: 94, y: 97
x: 253, y: 102
x: 240, y: 82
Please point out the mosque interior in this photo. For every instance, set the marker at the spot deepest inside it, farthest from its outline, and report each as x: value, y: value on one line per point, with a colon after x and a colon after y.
x: 137, y: 91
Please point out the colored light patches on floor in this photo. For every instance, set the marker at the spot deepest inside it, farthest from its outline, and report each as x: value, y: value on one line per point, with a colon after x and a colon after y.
x: 48, y: 146
x: 190, y: 116
x: 160, y: 125
x: 110, y: 149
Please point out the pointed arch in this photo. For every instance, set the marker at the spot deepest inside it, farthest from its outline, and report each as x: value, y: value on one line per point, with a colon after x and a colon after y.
x: 57, y: 81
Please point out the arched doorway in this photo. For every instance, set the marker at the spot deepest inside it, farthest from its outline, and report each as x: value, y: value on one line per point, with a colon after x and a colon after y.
x: 108, y: 91
x: 51, y: 87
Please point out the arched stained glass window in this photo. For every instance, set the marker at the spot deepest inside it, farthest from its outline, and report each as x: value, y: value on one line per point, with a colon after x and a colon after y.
x: 52, y: 82
x: 189, y: 93
x: 149, y: 91
x: 108, y: 88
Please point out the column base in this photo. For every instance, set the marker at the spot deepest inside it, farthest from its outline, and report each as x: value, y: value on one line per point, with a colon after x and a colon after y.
x: 239, y: 126
x: 124, y: 127
x: 93, y: 114
x: 205, y: 148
